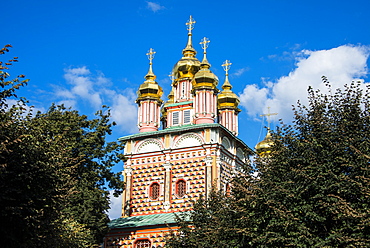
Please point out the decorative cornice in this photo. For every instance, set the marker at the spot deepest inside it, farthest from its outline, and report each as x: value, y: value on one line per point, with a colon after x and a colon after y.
x: 181, y: 129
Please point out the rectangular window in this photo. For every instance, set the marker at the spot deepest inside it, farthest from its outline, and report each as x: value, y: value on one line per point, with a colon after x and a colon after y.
x: 175, y: 118
x: 186, y: 116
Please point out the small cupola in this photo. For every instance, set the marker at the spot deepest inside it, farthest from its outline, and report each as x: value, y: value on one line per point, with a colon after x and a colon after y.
x: 263, y: 148
x: 227, y: 98
x: 205, y: 78
x: 150, y: 88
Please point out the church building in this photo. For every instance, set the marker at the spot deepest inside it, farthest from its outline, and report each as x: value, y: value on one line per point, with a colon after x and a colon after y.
x: 185, y: 146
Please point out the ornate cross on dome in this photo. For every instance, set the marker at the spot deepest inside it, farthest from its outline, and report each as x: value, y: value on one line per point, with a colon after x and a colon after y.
x: 150, y: 75
x: 190, y: 24
x: 268, y: 117
x: 226, y: 66
x: 204, y: 43
x: 172, y: 77
x: 150, y: 54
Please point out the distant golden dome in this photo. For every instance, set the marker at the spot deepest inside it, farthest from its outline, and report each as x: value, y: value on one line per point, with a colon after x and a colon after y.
x: 168, y: 102
x: 263, y: 148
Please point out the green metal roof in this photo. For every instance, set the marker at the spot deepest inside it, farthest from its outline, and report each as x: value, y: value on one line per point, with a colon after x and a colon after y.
x: 144, y: 220
x: 178, y: 104
x: 171, y: 130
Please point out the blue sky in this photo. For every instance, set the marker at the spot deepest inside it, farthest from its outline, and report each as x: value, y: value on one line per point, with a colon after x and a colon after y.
x: 88, y: 53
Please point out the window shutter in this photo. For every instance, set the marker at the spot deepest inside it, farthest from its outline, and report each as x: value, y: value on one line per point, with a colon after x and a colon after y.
x: 186, y: 116
x: 175, y: 118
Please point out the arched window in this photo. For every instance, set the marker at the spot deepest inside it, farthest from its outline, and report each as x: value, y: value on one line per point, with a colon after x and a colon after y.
x: 180, y: 188
x: 154, y: 191
x: 143, y: 243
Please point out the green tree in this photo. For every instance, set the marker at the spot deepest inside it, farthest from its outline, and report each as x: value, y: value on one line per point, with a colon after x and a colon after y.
x: 212, y: 223
x: 314, y: 189
x: 54, y: 172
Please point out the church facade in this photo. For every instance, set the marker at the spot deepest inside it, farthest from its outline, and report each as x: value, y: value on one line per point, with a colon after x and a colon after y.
x: 196, y: 150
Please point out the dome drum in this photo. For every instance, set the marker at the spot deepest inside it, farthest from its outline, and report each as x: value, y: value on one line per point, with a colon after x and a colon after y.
x: 205, y: 80
x: 150, y: 91
x: 186, y: 68
x: 225, y: 101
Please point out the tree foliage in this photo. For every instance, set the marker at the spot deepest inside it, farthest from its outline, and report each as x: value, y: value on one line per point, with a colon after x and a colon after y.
x: 54, y: 172
x: 212, y: 223
x: 316, y: 185
x: 314, y: 188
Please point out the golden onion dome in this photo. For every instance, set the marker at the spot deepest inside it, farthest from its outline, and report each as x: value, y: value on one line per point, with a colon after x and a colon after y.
x: 150, y: 88
x: 227, y: 98
x: 164, y: 109
x: 170, y: 99
x: 263, y: 148
x: 205, y: 78
x: 188, y: 65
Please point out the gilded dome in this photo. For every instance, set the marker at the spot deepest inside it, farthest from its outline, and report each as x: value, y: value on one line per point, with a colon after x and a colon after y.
x: 263, y: 148
x: 188, y: 65
x: 150, y: 88
x: 170, y: 99
x: 227, y: 98
x: 168, y: 102
x: 205, y: 78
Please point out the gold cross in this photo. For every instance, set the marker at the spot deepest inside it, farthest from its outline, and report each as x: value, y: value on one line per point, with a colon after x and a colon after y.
x: 204, y: 44
x: 150, y: 54
x: 226, y: 66
x: 190, y: 24
x: 171, y: 76
x: 268, y: 117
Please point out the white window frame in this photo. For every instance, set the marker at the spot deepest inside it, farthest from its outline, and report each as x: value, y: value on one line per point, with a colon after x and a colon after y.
x: 185, y: 121
x: 176, y: 115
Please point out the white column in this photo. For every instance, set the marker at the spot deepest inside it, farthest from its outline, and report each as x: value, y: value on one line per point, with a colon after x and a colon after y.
x: 209, y: 160
x: 167, y: 186
x: 126, y: 199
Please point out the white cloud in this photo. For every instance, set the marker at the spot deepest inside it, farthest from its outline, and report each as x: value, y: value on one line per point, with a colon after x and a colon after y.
x: 340, y: 65
x: 124, y: 111
x: 252, y: 98
x: 115, y: 206
x: 94, y: 91
x: 154, y: 6
x: 240, y: 71
x: 82, y: 82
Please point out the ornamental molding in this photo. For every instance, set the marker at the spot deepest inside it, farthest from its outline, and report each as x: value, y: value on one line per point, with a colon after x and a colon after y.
x: 149, y: 145
x: 167, y: 166
x: 188, y: 140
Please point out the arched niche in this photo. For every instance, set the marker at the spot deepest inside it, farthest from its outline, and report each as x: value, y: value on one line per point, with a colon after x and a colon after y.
x: 188, y: 140
x: 240, y: 154
x: 226, y: 143
x: 149, y: 145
